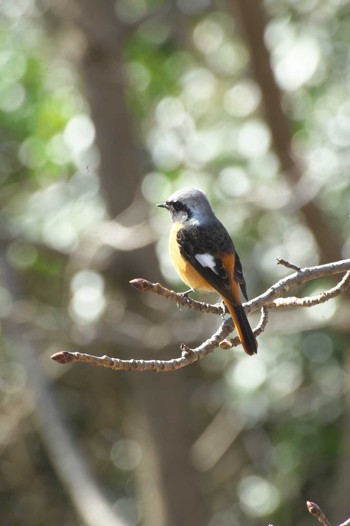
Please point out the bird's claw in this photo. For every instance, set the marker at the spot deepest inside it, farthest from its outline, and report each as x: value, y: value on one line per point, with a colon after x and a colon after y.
x: 221, y: 304
x: 185, y: 295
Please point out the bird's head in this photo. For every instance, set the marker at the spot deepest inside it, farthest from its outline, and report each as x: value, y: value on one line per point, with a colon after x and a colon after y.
x: 188, y: 205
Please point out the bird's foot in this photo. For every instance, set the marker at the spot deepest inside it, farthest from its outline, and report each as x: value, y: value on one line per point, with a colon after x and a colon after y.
x: 221, y: 304
x: 185, y: 295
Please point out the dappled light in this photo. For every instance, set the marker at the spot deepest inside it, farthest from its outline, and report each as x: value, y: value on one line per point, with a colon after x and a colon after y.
x: 258, y: 496
x: 106, y: 109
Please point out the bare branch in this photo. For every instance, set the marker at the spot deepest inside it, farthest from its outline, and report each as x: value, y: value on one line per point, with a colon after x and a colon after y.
x: 270, y: 299
x: 316, y: 512
x: 295, y: 280
x: 310, y: 301
x: 287, y: 264
x: 266, y: 299
x: 228, y: 344
x: 143, y: 285
x: 188, y: 356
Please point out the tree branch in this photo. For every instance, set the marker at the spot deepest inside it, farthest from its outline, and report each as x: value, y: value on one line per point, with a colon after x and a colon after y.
x: 143, y: 285
x: 188, y: 356
x: 270, y: 299
x: 316, y: 512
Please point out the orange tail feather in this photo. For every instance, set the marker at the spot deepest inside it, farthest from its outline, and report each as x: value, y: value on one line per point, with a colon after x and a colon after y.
x: 243, y: 328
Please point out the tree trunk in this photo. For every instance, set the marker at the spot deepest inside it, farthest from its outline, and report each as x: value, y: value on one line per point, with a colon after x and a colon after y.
x: 161, y: 400
x: 253, y: 20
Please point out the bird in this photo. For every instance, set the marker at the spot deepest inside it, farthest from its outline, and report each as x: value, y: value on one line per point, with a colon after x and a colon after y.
x: 203, y: 254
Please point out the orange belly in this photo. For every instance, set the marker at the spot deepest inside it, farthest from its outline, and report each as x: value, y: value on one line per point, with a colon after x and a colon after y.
x: 187, y: 273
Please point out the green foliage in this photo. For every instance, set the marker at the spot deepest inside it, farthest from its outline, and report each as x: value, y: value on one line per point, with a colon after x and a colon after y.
x: 197, y: 115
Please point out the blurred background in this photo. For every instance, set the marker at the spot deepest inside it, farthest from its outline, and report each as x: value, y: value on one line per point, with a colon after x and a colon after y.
x: 106, y: 108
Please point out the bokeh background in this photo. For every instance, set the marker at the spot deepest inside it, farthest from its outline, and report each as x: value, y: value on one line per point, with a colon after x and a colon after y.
x: 105, y: 109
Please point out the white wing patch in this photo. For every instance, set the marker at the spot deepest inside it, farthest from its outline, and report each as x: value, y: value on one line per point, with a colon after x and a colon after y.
x: 206, y: 260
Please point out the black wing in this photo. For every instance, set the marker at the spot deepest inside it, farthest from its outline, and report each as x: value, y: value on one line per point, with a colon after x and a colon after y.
x: 208, y: 240
x: 238, y: 275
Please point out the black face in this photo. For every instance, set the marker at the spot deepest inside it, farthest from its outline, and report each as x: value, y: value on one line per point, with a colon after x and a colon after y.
x: 177, y: 206
x: 180, y: 209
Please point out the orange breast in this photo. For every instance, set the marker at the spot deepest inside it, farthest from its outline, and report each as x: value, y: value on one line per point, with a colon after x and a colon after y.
x: 187, y: 273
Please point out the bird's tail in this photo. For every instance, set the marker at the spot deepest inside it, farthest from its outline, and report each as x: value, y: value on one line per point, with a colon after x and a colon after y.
x: 243, y: 328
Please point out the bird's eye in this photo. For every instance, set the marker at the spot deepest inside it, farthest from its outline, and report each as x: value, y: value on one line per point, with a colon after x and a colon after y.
x: 177, y: 206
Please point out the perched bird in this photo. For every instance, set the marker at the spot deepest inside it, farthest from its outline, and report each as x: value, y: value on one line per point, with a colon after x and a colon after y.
x: 205, y: 258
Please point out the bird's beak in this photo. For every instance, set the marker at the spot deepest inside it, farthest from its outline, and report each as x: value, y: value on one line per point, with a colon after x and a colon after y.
x: 163, y: 205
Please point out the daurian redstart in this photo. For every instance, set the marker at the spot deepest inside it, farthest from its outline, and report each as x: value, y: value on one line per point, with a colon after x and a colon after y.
x: 205, y: 258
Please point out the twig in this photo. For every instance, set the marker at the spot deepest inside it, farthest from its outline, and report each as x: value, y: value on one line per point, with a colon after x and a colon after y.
x: 296, y: 279
x: 188, y: 356
x: 264, y: 318
x: 310, y: 301
x: 143, y: 285
x: 268, y: 300
x: 287, y: 264
x: 316, y: 512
